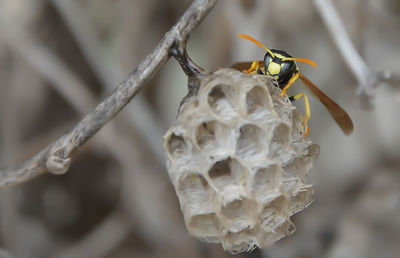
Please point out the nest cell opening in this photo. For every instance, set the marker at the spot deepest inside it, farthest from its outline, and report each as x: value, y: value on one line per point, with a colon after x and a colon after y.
x: 193, y: 189
x: 265, y: 179
x: 256, y: 99
x: 281, y: 134
x: 205, y: 134
x: 271, y: 216
x: 250, y: 141
x: 313, y: 152
x: 297, y: 122
x: 221, y: 100
x: 242, y: 241
x: 238, y: 208
x: 239, y: 214
x: 296, y: 170
x: 176, y: 146
x: 301, y: 201
x: 285, y: 229
x: 258, y: 103
x: 280, y: 139
x: 225, y: 172
x: 205, y: 227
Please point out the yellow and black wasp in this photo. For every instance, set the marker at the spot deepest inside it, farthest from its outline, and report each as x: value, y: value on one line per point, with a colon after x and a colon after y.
x: 282, y: 67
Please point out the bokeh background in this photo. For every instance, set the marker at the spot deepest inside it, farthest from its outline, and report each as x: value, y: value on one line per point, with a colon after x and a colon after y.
x: 58, y: 58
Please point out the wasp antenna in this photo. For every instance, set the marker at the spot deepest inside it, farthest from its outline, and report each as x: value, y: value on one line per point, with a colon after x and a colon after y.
x: 256, y: 42
x: 304, y: 60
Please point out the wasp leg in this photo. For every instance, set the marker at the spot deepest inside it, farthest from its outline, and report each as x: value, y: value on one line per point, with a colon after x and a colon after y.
x: 290, y: 82
x: 307, y: 109
x: 255, y: 66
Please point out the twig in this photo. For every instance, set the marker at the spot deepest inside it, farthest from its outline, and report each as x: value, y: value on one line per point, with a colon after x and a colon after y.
x: 366, y: 79
x: 140, y: 113
x: 56, y: 158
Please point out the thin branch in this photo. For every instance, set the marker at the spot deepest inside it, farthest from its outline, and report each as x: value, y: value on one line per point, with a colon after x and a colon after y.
x: 141, y: 115
x: 56, y: 158
x: 366, y: 79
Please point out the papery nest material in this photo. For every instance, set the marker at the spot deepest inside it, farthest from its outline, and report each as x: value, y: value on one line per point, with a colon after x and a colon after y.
x: 238, y: 159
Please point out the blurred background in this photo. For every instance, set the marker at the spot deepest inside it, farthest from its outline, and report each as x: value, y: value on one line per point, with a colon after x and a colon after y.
x: 58, y: 58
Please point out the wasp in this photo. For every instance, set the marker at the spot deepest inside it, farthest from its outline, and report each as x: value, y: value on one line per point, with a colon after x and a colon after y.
x: 282, y: 67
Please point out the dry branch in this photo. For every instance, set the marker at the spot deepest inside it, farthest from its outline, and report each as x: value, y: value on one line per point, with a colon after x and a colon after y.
x: 366, y: 78
x: 140, y: 114
x: 343, y: 42
x: 56, y: 158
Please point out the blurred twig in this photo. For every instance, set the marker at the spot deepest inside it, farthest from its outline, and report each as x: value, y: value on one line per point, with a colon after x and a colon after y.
x: 366, y: 79
x: 56, y: 158
x: 140, y: 114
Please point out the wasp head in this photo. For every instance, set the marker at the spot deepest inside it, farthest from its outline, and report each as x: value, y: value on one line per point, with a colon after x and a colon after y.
x: 277, y: 66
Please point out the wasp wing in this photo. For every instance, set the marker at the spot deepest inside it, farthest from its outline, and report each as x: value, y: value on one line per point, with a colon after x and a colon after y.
x: 241, y: 66
x: 341, y: 117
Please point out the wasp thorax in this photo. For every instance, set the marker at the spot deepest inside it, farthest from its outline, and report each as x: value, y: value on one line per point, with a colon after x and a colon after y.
x: 239, y: 161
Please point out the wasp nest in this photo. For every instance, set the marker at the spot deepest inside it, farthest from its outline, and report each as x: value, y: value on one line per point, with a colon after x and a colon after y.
x: 238, y: 160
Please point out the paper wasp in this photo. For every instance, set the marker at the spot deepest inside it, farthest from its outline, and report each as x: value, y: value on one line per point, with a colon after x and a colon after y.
x: 282, y: 67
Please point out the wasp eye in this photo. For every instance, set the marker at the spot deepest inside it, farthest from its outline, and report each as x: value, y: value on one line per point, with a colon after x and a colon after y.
x: 285, y: 67
x: 267, y: 59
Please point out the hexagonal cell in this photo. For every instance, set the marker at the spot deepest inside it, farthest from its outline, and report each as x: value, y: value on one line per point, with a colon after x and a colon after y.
x: 297, y: 122
x: 281, y: 134
x: 297, y: 167
x: 222, y: 102
x: 272, y: 216
x: 237, y: 208
x: 284, y: 109
x: 206, y: 227
x: 243, y: 241
x: 313, y: 151
x: 256, y: 99
x: 265, y: 179
x: 291, y: 176
x: 176, y: 145
x: 250, y: 141
x: 279, y: 142
x: 270, y: 237
x: 258, y: 103
x: 285, y: 229
x: 239, y: 214
x: 240, y: 247
x: 205, y: 134
x: 193, y: 193
x: 290, y: 186
x: 225, y: 172
x: 301, y: 201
